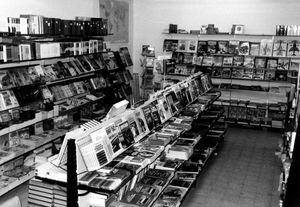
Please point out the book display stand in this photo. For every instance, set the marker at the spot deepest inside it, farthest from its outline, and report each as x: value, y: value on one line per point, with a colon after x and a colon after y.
x: 54, y: 76
x: 254, y: 72
x: 147, y: 156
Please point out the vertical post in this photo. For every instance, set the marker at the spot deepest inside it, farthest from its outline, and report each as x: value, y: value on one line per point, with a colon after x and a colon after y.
x: 72, y: 190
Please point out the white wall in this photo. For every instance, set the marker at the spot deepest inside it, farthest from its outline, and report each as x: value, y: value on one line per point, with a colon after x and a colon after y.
x: 151, y: 17
x: 66, y: 9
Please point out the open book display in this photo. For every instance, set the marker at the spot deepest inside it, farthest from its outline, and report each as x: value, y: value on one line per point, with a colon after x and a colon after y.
x: 115, y: 155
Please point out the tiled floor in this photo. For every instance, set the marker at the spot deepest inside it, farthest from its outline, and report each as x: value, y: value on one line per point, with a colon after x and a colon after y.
x: 244, y: 174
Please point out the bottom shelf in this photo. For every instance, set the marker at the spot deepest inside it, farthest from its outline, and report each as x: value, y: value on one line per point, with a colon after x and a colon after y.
x: 16, y: 183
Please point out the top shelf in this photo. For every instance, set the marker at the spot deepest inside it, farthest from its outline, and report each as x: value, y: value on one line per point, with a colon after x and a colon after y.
x: 232, y: 35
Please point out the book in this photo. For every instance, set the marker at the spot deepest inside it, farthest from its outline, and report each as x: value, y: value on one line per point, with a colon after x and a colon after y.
x: 293, y: 48
x: 254, y: 48
x: 227, y: 61
x: 212, y: 46
x: 182, y: 45
x: 233, y: 47
x: 272, y: 63
x: 244, y: 48
x: 217, y: 60
x: 260, y: 62
x: 270, y: 75
x: 294, y: 64
x: 192, y: 46
x: 202, y: 47
x: 197, y: 60
x: 249, y: 61
x: 125, y: 52
x: 279, y: 48
x: 170, y: 45
x: 258, y: 74
x: 223, y: 47
x: 238, y: 60
x: 266, y: 47
x: 208, y: 60
x: 283, y: 63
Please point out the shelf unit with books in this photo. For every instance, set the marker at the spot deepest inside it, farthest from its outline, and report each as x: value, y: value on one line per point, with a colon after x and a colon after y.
x: 269, y: 61
x: 108, y: 82
x: 165, y: 124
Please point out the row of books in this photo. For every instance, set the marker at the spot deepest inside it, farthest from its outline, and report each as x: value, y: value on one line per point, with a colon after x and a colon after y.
x: 254, y: 113
x: 179, y: 58
x: 266, y: 47
x: 46, y: 194
x: 33, y: 51
x: 254, y: 74
x: 38, y: 24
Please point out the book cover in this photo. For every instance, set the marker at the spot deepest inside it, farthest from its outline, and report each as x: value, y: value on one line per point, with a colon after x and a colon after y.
x: 238, y: 61
x: 283, y: 63
x: 171, y: 102
x: 258, y: 74
x: 270, y: 75
x: 233, y: 47
x: 218, y: 60
x: 266, y: 47
x: 192, y: 46
x: 212, y: 46
x: 279, y: 48
x: 208, y: 60
x: 170, y: 45
x: 223, y: 47
x: 183, y: 45
x: 236, y: 73
x: 217, y: 72
x: 202, y: 47
x: 254, y: 48
x: 163, y: 109
x: 293, y: 48
x: 227, y: 61
x: 272, y: 63
x: 138, y: 199
x: 6, y: 80
x: 155, y: 113
x: 197, y: 60
x: 127, y: 137
x: 249, y: 61
x: 126, y: 54
x: 141, y: 121
x: 260, y: 62
x: 294, y: 64
x: 188, y: 58
x: 281, y: 75
x: 226, y: 73
x: 244, y: 48
x: 148, y: 117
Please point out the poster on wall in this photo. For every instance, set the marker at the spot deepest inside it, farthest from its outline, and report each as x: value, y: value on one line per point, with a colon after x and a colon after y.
x: 117, y: 13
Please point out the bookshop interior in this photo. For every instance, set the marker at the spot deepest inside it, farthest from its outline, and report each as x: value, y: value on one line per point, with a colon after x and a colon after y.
x: 149, y: 103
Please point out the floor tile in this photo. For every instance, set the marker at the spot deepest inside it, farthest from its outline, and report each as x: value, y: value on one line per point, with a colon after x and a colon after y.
x: 244, y: 174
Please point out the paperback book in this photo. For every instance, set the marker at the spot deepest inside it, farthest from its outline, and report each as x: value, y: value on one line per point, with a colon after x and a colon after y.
x: 244, y: 48
x: 280, y: 48
x: 254, y: 48
x: 293, y: 48
x: 266, y: 47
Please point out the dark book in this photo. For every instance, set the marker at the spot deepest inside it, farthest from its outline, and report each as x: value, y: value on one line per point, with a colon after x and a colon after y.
x: 293, y: 48
x: 226, y: 73
x: 181, y: 183
x: 125, y: 52
x: 238, y: 60
x: 148, y: 117
x: 281, y: 75
x: 270, y: 75
x: 170, y: 45
x: 202, y: 47
x: 217, y: 72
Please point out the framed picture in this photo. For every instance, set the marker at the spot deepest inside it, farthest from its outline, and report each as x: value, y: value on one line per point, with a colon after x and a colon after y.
x: 238, y: 29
